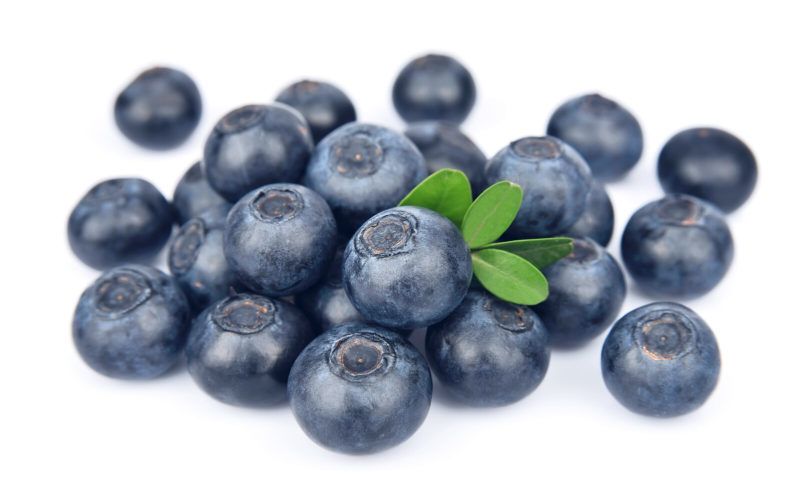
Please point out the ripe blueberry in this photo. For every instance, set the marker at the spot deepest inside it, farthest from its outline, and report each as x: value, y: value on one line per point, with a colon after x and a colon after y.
x: 324, y: 106
x: 597, y: 220
x: 193, y: 195
x: 327, y: 304
x: 434, y: 87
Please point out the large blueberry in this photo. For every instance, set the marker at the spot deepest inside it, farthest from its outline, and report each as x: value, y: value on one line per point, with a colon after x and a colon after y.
x: 280, y: 239
x: 256, y: 145
x: 131, y: 323
x: 604, y: 132
x: 119, y: 221
x: 407, y: 268
x: 241, y: 348
x: 324, y: 106
x: 444, y: 146
x: 710, y: 164
x: 661, y: 360
x: 327, y: 304
x: 488, y: 352
x: 361, y: 169
x: 197, y: 260
x: 677, y: 246
x: 434, y: 87
x: 159, y: 109
x: 360, y: 389
x: 555, y: 181
x: 587, y: 289
x: 597, y: 220
x: 193, y: 195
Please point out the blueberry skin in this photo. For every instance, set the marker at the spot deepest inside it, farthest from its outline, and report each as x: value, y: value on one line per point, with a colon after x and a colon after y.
x: 603, y: 132
x: 555, y: 183
x: 327, y: 304
x: 280, y: 239
x: 361, y: 169
x: 434, y: 87
x: 443, y: 145
x: 587, y: 289
x: 661, y: 360
x: 488, y: 352
x: 324, y: 106
x: 119, y: 221
x: 131, y: 323
x: 256, y: 145
x: 360, y: 389
x: 677, y: 246
x: 193, y: 195
x: 709, y: 164
x: 406, y: 268
x: 160, y: 109
x: 197, y: 260
x: 597, y: 220
x: 241, y: 348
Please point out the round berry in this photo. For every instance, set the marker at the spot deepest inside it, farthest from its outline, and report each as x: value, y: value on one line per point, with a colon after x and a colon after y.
x: 324, y: 106
x: 434, y: 87
x: 193, y: 195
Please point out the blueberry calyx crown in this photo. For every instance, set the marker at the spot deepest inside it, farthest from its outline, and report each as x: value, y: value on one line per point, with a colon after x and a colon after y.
x: 240, y: 119
x: 277, y: 205
x: 536, y: 148
x: 583, y: 251
x: 121, y: 291
x: 109, y: 191
x: 680, y: 211
x: 183, y: 253
x: 357, y: 156
x: 509, y: 316
x: 598, y: 104
x: 361, y: 354
x: 665, y: 336
x: 389, y: 235
x: 244, y: 314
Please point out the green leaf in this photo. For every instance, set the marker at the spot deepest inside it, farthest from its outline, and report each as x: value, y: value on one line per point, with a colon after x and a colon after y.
x: 446, y: 192
x: 509, y: 277
x: 491, y: 213
x: 539, y: 252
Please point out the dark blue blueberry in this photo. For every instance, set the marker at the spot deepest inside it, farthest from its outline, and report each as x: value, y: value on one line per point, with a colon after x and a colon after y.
x: 241, y: 349
x: 193, y: 195
x: 327, y: 304
x: 661, y: 360
x: 587, y: 289
x: 434, y: 87
x: 361, y: 169
x: 256, y: 145
x: 131, y: 323
x: 407, y: 268
x: 555, y: 181
x: 444, y: 146
x: 488, y: 352
x: 324, y: 106
x: 597, y: 220
x: 360, y: 389
x: 710, y: 164
x: 197, y: 260
x: 677, y: 246
x: 159, y: 109
x: 603, y: 132
x: 280, y: 239
x: 120, y: 221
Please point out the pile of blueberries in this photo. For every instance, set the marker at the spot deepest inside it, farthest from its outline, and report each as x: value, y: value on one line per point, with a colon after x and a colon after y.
x: 293, y: 273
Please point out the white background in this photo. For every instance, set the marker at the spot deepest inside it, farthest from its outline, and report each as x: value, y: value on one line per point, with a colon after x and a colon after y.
x: 68, y: 433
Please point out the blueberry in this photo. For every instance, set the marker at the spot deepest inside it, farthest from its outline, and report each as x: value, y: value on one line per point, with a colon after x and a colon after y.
x: 709, y: 164
x: 597, y: 220
x: 434, y: 87
x: 197, y: 261
x: 280, y: 239
x: 407, y: 268
x: 256, y: 145
x: 324, y: 106
x: 444, y: 146
x: 488, y: 352
x: 326, y: 304
x: 587, y: 289
x: 677, y: 246
x: 160, y: 109
x: 193, y: 195
x: 241, y: 349
x: 360, y: 389
x: 119, y: 221
x: 555, y: 182
x: 361, y: 169
x: 131, y: 323
x: 661, y: 360
x: 603, y: 132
